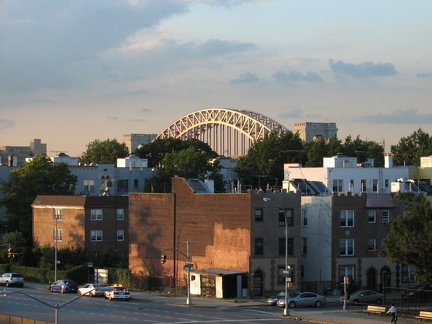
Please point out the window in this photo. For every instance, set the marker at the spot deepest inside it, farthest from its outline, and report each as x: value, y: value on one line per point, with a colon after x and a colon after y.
x: 135, y: 184
x: 120, y: 235
x: 346, y: 247
x: 371, y: 245
x: 407, y: 274
x: 280, y: 275
x: 96, y: 236
x: 59, y: 236
x: 304, y: 218
x: 259, y: 215
x: 282, y: 243
x: 122, y: 186
x: 346, y: 271
x: 259, y: 246
x: 337, y: 185
x: 371, y: 216
x: 347, y: 218
x: 120, y: 214
x: 57, y: 214
x: 386, y: 183
x: 304, y: 252
x: 363, y: 187
x: 385, y: 216
x: 286, y: 214
x: 89, y: 185
x: 375, y: 185
x: 96, y: 214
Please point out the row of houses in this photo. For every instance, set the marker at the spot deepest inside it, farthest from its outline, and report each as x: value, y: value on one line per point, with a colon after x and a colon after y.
x: 235, y: 238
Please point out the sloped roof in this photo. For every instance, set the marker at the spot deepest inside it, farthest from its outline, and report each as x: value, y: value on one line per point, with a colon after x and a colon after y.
x: 380, y: 200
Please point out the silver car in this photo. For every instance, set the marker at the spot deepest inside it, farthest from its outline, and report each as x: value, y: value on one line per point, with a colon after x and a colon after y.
x: 366, y: 297
x: 271, y: 301
x: 12, y: 279
x: 306, y: 299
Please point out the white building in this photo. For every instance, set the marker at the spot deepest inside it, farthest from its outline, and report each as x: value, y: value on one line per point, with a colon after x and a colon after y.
x: 316, y: 234
x: 343, y: 174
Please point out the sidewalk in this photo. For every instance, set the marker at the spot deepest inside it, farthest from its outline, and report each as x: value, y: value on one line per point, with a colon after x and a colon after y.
x: 322, y: 315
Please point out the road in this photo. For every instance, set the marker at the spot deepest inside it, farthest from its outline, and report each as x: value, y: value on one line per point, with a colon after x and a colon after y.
x: 99, y: 310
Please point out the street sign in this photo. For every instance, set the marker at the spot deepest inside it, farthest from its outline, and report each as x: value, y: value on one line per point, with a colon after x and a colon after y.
x: 187, y: 266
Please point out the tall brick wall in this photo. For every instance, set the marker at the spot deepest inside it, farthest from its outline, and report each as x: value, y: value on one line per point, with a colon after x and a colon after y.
x: 217, y: 224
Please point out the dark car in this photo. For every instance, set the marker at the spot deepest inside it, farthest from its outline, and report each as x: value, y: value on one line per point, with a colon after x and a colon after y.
x: 64, y: 286
x: 418, y: 293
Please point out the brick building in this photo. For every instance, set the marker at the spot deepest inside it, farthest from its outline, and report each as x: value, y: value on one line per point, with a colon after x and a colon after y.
x: 359, y: 226
x: 91, y: 222
x: 243, y: 232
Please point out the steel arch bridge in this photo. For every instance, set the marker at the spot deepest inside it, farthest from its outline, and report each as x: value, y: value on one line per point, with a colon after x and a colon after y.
x: 229, y: 132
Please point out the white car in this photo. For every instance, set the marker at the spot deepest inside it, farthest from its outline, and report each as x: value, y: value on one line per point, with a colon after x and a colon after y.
x: 12, y: 279
x: 92, y: 290
x: 117, y: 292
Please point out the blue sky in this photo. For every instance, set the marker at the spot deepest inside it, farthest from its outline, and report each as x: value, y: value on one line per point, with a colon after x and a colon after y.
x: 75, y: 71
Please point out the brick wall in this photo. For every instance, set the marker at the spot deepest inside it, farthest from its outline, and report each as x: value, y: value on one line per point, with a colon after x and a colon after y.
x: 217, y: 224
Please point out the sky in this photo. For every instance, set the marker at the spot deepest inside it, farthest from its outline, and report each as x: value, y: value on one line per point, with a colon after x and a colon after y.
x: 72, y: 72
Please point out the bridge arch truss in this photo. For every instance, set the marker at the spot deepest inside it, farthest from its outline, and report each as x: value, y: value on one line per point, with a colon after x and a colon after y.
x: 229, y: 132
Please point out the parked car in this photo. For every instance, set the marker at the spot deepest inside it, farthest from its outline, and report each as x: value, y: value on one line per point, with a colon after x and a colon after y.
x: 305, y: 299
x: 117, y: 292
x: 418, y: 293
x: 271, y: 301
x: 92, y: 289
x: 64, y: 286
x: 12, y: 279
x: 366, y: 297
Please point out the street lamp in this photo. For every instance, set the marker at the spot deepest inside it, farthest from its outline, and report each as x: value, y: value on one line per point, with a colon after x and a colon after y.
x: 286, y: 271
x: 55, y: 245
x: 187, y: 267
x: 56, y: 307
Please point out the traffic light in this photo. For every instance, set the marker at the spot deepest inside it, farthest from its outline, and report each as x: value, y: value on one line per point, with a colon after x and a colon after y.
x: 10, y: 253
x: 163, y: 258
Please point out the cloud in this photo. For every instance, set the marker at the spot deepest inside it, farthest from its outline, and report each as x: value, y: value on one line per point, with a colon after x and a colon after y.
x: 216, y: 47
x: 295, y: 76
x: 411, y: 116
x: 362, y: 70
x: 424, y: 75
x: 292, y: 113
x: 49, y: 44
x: 246, y: 78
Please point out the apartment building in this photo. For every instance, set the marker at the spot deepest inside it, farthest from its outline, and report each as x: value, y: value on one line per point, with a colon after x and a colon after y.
x: 359, y: 226
x: 91, y: 222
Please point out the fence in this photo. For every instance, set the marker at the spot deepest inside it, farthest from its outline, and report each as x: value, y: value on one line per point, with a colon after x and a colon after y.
x: 409, y: 300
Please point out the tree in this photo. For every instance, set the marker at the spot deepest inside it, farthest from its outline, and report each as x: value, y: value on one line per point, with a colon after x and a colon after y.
x: 411, y: 148
x: 316, y: 151
x: 171, y: 157
x: 155, y: 151
x: 107, y: 151
x: 264, y: 162
x: 363, y: 150
x: 409, y: 240
x: 38, y: 177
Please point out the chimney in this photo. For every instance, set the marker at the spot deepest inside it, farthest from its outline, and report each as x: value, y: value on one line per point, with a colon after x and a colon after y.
x: 388, y: 160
